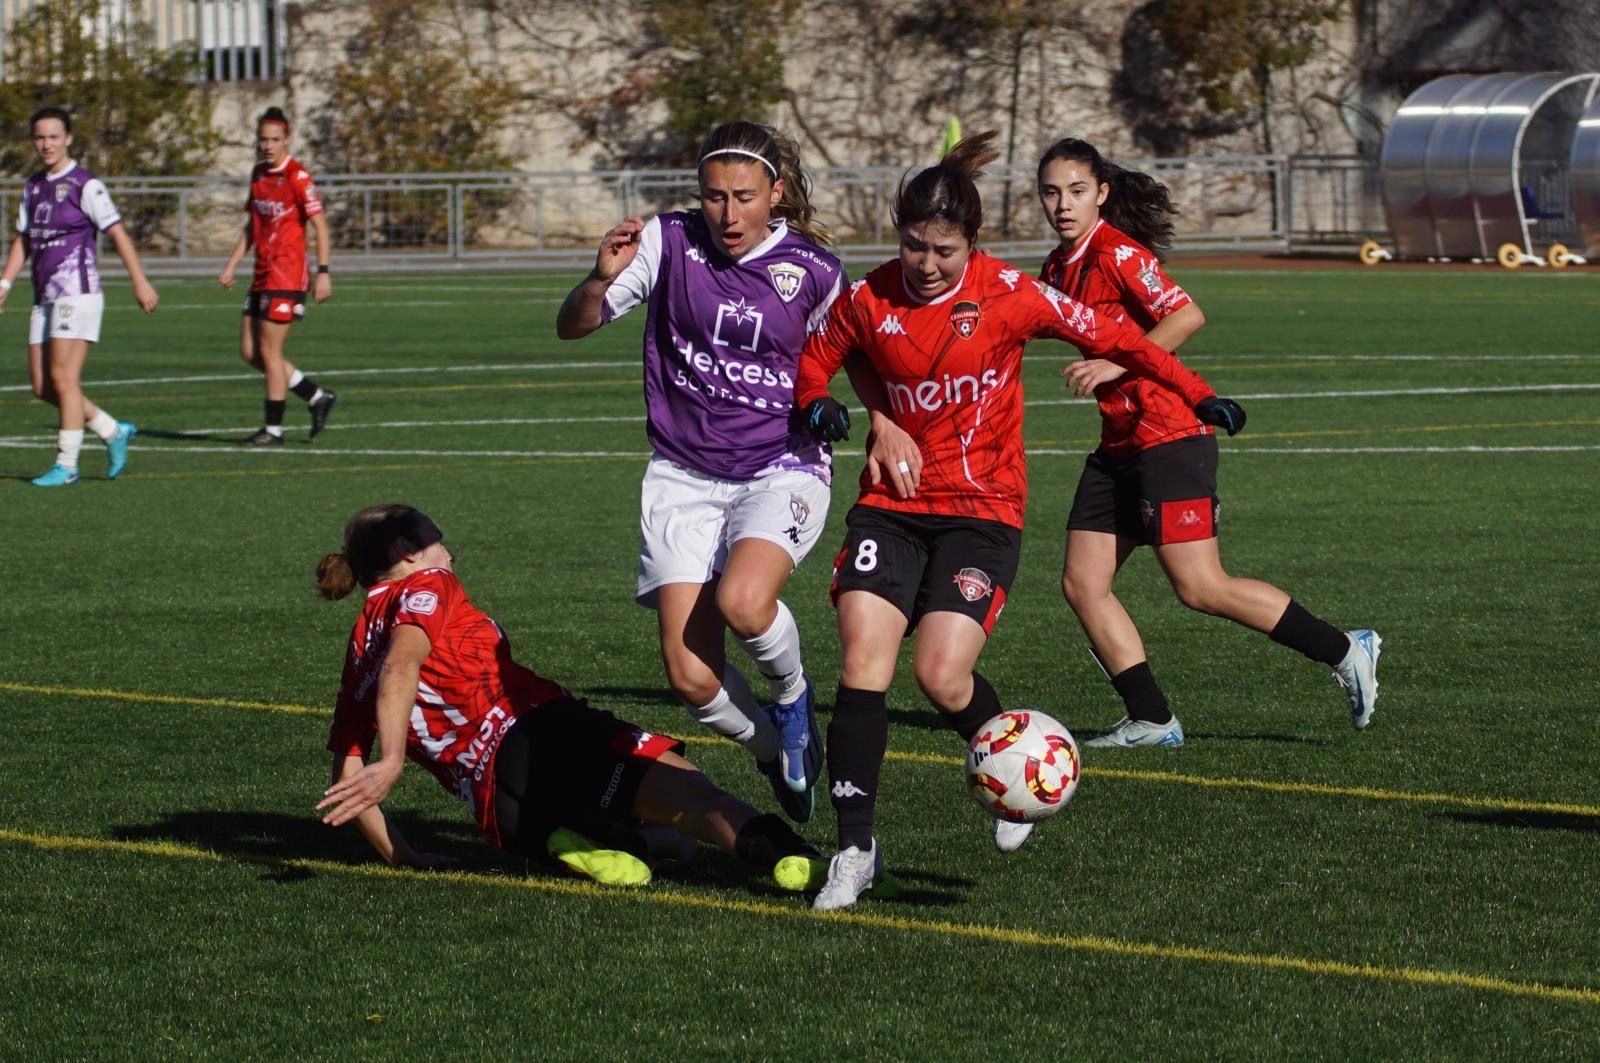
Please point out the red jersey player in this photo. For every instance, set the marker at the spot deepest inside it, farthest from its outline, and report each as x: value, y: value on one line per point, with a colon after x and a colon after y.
x: 933, y: 541
x: 283, y: 199
x: 1153, y: 479
x: 431, y: 677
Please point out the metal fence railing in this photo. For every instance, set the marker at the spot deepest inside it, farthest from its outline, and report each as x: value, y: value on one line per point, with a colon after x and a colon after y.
x: 1234, y: 203
x: 231, y: 40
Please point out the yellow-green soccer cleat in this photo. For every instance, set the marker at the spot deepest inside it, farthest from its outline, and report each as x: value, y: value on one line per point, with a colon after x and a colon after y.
x: 609, y: 867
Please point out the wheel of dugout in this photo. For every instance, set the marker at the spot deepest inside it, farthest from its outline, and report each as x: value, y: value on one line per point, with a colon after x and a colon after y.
x: 1371, y: 253
x: 1509, y: 256
x: 1559, y: 257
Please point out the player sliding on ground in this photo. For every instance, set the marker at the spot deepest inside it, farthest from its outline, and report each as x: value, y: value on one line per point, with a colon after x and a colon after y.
x: 1153, y: 479
x: 430, y: 676
x: 933, y: 541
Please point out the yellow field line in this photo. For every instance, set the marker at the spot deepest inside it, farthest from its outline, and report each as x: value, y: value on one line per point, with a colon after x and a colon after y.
x: 1417, y: 976
x: 1498, y: 804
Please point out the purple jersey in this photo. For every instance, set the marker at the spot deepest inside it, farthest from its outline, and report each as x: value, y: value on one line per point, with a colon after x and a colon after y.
x: 721, y: 342
x: 62, y: 215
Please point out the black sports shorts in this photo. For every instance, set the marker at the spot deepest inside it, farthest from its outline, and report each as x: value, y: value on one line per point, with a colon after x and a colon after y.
x: 923, y: 563
x: 1167, y: 494
x: 565, y: 764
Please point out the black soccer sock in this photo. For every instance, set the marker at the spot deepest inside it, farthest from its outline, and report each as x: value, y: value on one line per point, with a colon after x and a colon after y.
x: 1310, y: 635
x: 984, y: 706
x: 765, y: 840
x: 306, y: 389
x: 858, y: 737
x: 1141, y: 695
x: 275, y: 409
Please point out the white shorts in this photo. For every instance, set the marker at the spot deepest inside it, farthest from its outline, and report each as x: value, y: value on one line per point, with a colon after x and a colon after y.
x: 688, y: 521
x: 72, y: 317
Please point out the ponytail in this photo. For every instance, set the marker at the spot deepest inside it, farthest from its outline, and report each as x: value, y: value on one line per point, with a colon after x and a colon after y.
x: 948, y: 192
x: 1137, y: 203
x: 335, y: 579
x: 375, y: 540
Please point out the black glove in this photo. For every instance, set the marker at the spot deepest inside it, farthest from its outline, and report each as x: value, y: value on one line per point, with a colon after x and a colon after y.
x: 1224, y: 413
x: 828, y: 419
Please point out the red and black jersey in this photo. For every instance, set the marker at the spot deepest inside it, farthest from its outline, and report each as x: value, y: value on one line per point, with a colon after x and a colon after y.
x: 282, y: 199
x: 468, y: 695
x: 1122, y: 279
x: 952, y: 371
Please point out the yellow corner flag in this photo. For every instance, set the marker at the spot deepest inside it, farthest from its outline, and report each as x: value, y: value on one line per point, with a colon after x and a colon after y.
x: 952, y: 136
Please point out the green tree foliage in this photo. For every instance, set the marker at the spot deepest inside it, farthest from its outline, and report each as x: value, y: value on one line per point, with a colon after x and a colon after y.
x: 135, y: 110
x: 1233, y: 48
x: 719, y: 62
x: 408, y: 97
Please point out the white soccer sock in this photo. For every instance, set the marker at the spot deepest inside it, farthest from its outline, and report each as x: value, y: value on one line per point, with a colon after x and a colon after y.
x: 67, y: 446
x: 275, y: 430
x: 295, y: 378
x: 776, y: 652
x: 734, y: 714
x: 103, y: 425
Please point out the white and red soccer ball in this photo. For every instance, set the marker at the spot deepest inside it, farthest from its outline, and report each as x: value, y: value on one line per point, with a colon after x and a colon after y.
x: 1022, y: 766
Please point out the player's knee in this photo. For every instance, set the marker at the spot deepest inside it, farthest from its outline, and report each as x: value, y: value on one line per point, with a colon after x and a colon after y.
x: 690, y: 679
x: 746, y: 609
x: 947, y: 685
x: 1201, y: 595
x: 1082, y: 592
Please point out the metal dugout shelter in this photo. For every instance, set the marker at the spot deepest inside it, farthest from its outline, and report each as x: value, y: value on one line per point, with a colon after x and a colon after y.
x: 1473, y: 162
x: 1585, y: 178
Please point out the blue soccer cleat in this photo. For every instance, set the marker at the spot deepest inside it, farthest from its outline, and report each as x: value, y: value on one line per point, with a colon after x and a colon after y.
x: 117, y: 448
x: 56, y: 476
x: 800, y: 742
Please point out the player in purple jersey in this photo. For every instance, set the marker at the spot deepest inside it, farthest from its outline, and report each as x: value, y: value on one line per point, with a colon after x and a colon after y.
x: 736, y: 492
x: 64, y: 209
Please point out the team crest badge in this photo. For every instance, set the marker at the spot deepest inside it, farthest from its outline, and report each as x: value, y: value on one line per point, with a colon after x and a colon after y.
x: 964, y: 318
x: 1150, y: 277
x: 974, y: 583
x: 786, y: 278
x: 1146, y: 511
x: 799, y: 508
x: 61, y: 192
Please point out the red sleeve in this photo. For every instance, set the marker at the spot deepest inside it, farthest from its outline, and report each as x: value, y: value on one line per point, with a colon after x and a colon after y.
x: 1144, y: 282
x: 355, y: 726
x: 426, y: 601
x: 827, y: 348
x: 305, y: 193
x: 1057, y: 315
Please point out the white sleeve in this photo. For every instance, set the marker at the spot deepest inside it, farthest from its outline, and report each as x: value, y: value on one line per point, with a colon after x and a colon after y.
x: 96, y: 203
x: 634, y: 284
x: 22, y: 215
x: 819, y: 315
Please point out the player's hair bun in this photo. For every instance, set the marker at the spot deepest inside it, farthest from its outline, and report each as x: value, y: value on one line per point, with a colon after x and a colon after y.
x: 335, y: 578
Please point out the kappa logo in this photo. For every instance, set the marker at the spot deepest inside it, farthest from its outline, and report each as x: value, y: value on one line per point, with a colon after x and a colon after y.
x: 890, y: 326
x: 1188, y: 519
x: 974, y: 583
x: 284, y: 307
x: 1124, y: 252
x: 1011, y: 276
x: 800, y: 508
x: 964, y: 318
x: 786, y: 279
x: 846, y: 788
x: 423, y: 603
x: 856, y: 286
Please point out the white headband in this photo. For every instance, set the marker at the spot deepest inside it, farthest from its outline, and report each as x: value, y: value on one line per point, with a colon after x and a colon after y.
x: 740, y: 151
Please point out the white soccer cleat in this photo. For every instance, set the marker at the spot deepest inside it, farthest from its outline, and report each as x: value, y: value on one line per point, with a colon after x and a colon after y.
x: 1358, y: 674
x: 851, y: 873
x: 1009, y: 836
x: 1129, y: 733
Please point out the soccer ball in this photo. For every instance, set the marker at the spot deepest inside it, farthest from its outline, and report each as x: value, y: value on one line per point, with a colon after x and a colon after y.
x: 1022, y: 766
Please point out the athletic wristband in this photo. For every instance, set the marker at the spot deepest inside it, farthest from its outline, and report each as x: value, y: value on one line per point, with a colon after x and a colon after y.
x: 322, y: 269
x: 5, y: 285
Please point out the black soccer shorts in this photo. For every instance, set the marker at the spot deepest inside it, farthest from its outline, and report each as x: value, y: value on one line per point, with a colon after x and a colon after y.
x: 1166, y: 494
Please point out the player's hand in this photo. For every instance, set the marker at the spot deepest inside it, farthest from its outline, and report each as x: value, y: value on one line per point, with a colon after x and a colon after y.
x: 1087, y: 374
x: 828, y: 420
x: 145, y: 295
x: 322, y: 288
x: 367, y: 788
x: 893, y: 454
x: 225, y: 278
x: 1223, y: 413
x: 618, y: 247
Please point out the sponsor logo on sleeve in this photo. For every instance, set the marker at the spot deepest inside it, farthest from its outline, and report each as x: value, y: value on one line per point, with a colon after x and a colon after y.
x: 1124, y: 252
x: 423, y: 603
x: 786, y: 279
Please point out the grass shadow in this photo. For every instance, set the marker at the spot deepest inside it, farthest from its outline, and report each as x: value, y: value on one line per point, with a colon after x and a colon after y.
x: 1570, y: 821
